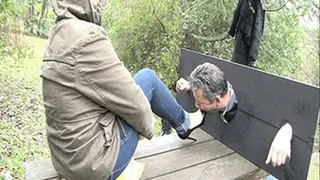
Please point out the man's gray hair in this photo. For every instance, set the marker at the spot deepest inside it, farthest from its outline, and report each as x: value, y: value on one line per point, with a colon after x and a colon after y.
x: 211, y: 79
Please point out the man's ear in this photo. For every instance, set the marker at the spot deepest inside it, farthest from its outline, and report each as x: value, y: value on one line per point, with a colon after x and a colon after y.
x: 218, y: 98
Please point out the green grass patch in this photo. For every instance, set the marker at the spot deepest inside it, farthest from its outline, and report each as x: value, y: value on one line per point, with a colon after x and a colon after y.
x: 314, y: 170
x: 22, y: 127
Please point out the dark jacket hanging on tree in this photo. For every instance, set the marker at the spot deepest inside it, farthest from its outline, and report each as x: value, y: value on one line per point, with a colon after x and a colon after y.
x: 247, y: 25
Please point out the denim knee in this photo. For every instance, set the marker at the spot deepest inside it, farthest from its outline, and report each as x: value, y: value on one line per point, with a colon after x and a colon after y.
x: 147, y: 71
x: 149, y: 74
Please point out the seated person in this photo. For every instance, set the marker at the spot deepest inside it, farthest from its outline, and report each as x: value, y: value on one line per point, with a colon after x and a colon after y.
x: 95, y: 110
x: 92, y: 124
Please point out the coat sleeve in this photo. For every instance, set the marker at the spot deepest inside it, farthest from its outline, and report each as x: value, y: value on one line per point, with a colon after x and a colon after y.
x: 257, y: 32
x: 107, y: 82
x: 235, y: 19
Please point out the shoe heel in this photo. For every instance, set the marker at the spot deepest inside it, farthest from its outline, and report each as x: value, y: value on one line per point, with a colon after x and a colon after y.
x: 191, y: 138
x: 189, y: 131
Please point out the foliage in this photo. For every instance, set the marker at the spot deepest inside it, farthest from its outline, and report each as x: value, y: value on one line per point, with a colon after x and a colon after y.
x: 289, y: 46
x: 21, y: 16
x: 149, y: 34
x: 309, y: 71
x: 43, y: 24
x: 205, y: 25
x: 9, y: 22
x: 22, y: 127
x: 146, y: 34
x: 284, y: 57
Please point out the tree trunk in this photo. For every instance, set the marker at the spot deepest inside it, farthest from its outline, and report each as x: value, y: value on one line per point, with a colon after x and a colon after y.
x: 31, y: 13
x: 43, y: 13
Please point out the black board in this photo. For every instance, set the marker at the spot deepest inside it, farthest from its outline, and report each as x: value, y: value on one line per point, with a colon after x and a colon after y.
x: 264, y: 100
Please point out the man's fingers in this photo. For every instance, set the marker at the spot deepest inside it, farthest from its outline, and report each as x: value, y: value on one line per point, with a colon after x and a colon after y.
x: 274, y: 158
x: 177, y: 89
x: 279, y: 158
x: 269, y: 156
x: 178, y: 84
x: 181, y: 87
x: 268, y: 160
x: 289, y: 152
x: 284, y: 155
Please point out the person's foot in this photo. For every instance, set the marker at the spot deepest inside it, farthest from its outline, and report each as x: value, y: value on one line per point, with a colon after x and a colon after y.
x: 196, y: 118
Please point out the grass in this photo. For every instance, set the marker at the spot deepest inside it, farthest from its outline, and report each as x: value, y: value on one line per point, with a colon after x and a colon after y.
x: 314, y: 170
x: 22, y: 127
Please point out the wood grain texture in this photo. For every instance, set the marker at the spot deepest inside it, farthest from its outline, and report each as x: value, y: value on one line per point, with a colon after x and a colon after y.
x: 40, y: 169
x: 226, y: 168
x: 43, y: 169
x: 167, y: 143
x: 168, y: 155
x: 183, y: 158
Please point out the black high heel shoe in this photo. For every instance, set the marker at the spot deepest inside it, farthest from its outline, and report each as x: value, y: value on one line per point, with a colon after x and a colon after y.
x: 189, y: 131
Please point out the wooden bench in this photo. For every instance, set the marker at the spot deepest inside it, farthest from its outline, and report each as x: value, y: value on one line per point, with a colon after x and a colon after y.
x: 168, y: 157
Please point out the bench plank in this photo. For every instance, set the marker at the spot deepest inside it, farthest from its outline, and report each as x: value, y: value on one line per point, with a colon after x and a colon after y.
x: 183, y: 158
x: 225, y: 168
x: 167, y: 143
x: 169, y: 157
x: 40, y: 169
x: 43, y: 169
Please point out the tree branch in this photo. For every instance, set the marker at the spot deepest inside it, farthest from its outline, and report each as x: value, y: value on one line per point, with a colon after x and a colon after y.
x: 316, y: 6
x: 214, y: 39
x: 274, y: 10
x: 158, y: 19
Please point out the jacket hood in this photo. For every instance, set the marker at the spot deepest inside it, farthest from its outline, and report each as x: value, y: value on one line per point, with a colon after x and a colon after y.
x: 86, y: 10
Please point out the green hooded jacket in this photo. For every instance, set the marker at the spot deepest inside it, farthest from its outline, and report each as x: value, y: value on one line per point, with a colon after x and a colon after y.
x: 86, y: 89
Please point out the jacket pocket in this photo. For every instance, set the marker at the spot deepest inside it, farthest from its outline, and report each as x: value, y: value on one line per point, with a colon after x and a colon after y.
x: 107, y: 123
x: 58, y: 70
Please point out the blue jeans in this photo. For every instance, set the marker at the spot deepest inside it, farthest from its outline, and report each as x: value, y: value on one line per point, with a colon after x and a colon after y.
x: 163, y: 104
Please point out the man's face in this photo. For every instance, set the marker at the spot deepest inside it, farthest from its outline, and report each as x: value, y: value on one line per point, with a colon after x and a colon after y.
x: 203, y: 103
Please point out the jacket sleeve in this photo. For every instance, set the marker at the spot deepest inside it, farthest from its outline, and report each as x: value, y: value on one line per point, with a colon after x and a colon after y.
x: 107, y: 82
x: 235, y: 19
x: 257, y: 32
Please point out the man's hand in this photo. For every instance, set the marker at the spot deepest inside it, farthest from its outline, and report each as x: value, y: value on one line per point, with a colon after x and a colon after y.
x: 281, y: 146
x: 182, y: 85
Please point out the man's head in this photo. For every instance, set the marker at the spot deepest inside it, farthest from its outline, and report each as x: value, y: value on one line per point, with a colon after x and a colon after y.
x: 209, y: 87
